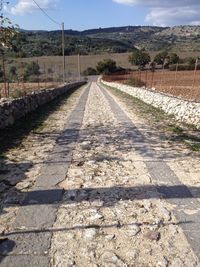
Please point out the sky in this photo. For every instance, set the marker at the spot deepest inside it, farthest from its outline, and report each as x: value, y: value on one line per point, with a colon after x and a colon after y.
x: 88, y: 14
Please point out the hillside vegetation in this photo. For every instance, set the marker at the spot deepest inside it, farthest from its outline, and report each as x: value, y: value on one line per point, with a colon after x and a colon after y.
x: 108, y: 40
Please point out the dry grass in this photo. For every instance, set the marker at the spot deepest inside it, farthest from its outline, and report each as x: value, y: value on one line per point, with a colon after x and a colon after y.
x: 55, y: 62
x: 17, y: 90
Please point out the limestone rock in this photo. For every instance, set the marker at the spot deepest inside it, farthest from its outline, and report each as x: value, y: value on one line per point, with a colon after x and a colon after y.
x: 90, y: 234
x: 133, y: 230
x: 152, y: 235
x: 109, y: 257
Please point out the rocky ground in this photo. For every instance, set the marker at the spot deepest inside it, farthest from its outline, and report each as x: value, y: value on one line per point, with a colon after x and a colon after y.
x: 111, y: 213
x: 178, y: 155
x: 20, y: 166
x: 109, y: 216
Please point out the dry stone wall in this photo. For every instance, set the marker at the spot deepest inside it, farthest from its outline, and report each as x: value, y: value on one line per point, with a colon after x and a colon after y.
x: 183, y: 110
x: 13, y: 109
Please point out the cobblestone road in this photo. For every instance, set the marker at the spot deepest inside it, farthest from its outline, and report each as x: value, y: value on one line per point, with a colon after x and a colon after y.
x: 106, y: 199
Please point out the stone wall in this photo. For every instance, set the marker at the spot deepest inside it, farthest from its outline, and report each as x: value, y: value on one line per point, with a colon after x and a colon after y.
x: 13, y: 109
x: 183, y: 110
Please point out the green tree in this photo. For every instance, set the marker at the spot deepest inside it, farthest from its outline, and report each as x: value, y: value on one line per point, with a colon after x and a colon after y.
x: 90, y: 71
x: 191, y: 60
x: 161, y: 58
x: 12, y: 72
x: 7, y: 34
x: 173, y: 58
x: 139, y: 58
x: 33, y: 68
x: 107, y: 66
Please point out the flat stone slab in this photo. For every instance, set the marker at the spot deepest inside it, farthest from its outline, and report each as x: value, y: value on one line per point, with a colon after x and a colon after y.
x: 55, y: 168
x: 24, y: 261
x: 26, y: 244
x: 35, y: 217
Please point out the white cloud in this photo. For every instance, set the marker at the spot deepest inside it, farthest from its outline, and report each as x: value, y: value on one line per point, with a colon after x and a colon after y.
x: 170, y: 12
x: 28, y: 6
x: 173, y: 16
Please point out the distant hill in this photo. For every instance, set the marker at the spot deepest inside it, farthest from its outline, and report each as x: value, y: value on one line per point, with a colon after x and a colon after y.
x: 108, y: 40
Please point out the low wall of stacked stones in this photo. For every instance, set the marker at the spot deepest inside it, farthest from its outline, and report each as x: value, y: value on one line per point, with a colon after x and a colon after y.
x: 14, y: 109
x: 185, y: 111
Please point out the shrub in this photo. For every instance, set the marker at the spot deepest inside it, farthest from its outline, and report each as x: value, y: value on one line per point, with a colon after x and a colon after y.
x: 183, y: 67
x: 191, y: 60
x: 90, y: 71
x: 18, y: 93
x: 135, y: 82
x: 161, y: 57
x: 173, y: 58
x: 107, y: 66
x: 32, y: 68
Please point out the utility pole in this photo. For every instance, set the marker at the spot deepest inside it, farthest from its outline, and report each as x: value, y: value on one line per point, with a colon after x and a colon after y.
x: 79, y: 68
x: 195, y: 71
x: 63, y: 50
x: 176, y: 72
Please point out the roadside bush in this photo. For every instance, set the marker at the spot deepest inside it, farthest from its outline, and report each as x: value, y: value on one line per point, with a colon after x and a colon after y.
x: 18, y: 93
x: 191, y: 60
x: 90, y: 71
x: 135, y: 82
x: 161, y: 57
x: 183, y: 67
x: 107, y: 66
x: 32, y: 68
x: 12, y: 73
x: 173, y: 58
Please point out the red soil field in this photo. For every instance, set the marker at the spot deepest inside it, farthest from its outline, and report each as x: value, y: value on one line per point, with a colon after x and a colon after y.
x: 183, y: 84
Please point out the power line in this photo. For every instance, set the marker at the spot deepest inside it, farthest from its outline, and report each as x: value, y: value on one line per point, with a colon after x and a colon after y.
x: 63, y: 35
x: 54, y: 21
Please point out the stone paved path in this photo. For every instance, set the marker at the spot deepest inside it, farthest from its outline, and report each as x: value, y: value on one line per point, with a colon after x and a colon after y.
x: 106, y: 198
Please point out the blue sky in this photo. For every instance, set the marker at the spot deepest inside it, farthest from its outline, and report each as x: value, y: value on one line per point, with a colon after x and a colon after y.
x: 87, y: 14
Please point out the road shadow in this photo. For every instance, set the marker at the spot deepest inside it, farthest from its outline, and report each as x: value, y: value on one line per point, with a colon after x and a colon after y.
x: 13, y: 172
x: 126, y: 138
x: 110, y: 195
x: 12, y: 136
